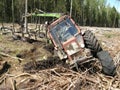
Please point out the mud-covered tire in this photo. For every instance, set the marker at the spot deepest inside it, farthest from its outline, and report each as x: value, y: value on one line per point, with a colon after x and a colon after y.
x: 104, y: 57
x: 91, y: 42
x: 107, y: 63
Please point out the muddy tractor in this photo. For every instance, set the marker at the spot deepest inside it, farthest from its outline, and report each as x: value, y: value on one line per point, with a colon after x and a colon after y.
x: 75, y: 47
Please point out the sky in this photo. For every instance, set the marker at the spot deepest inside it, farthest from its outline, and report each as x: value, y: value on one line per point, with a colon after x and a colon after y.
x: 115, y: 3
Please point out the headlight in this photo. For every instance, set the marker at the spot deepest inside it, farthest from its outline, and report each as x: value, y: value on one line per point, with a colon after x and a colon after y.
x: 82, y: 45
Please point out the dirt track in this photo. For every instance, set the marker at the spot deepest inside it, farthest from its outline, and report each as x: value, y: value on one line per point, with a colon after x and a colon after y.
x: 57, y: 78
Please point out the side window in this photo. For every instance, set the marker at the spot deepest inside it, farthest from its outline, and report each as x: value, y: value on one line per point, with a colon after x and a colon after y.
x: 54, y: 34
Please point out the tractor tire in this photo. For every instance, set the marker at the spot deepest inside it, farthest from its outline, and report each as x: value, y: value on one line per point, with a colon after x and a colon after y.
x: 91, y: 43
x: 104, y: 57
x: 107, y: 63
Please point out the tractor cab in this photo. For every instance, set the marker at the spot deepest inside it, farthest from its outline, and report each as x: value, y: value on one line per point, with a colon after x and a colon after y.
x: 67, y: 38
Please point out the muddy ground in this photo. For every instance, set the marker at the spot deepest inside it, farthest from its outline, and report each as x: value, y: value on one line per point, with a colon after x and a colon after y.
x: 59, y: 77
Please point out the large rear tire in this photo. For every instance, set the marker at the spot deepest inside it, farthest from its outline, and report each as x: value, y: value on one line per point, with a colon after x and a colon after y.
x: 92, y: 43
x: 104, y: 57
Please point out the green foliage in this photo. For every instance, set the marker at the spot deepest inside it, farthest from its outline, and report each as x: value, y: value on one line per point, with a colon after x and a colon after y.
x: 84, y: 12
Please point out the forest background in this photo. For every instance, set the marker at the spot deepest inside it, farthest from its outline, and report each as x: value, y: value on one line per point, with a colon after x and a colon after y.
x: 84, y: 12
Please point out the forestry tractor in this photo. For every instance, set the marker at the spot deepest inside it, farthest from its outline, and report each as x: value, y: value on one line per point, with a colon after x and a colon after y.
x: 75, y: 47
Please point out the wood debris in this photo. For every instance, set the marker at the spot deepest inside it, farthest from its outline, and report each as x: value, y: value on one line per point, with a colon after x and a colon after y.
x: 61, y: 78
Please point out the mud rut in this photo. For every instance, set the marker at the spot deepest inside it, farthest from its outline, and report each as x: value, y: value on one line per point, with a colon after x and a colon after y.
x: 44, y: 64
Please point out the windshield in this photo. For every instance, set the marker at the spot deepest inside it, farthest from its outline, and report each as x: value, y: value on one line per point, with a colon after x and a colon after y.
x: 63, y: 31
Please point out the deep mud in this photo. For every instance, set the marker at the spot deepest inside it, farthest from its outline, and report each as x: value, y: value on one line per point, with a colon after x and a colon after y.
x: 52, y: 62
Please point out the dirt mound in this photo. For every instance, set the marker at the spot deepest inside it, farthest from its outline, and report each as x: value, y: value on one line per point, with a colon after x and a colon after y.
x: 26, y: 53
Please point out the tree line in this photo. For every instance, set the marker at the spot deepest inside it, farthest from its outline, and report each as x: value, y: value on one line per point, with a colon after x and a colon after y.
x: 84, y: 12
